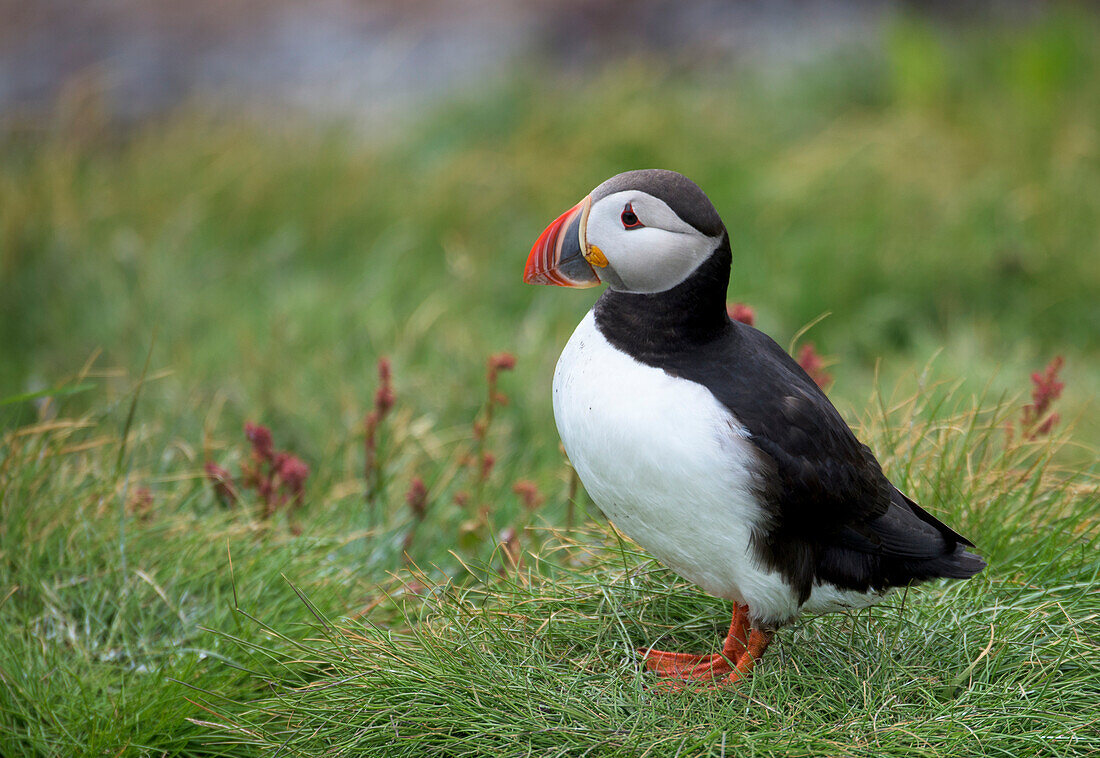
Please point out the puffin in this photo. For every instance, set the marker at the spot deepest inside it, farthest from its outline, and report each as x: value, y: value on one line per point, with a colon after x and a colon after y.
x: 705, y: 443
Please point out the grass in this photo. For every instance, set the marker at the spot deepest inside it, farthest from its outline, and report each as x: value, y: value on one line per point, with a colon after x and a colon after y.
x: 540, y: 661
x: 942, y: 206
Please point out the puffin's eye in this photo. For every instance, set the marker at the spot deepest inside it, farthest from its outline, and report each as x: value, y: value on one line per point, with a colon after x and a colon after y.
x: 630, y: 221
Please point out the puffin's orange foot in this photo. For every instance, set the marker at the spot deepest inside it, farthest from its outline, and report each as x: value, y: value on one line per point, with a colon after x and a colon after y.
x: 703, y: 667
x: 685, y: 665
x: 738, y: 656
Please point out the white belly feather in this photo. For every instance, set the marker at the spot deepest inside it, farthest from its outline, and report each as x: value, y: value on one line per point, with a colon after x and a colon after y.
x: 674, y: 470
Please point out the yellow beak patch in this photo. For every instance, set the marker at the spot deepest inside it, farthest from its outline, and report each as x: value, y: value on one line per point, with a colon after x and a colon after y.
x: 595, y: 256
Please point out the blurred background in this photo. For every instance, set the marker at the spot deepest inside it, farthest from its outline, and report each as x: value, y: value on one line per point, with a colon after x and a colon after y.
x: 285, y: 191
x: 372, y: 60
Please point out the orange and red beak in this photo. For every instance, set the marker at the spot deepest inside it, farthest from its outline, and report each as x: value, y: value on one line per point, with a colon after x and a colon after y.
x: 560, y: 255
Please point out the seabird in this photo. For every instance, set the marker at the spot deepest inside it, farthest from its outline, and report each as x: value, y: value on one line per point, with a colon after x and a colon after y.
x: 708, y: 445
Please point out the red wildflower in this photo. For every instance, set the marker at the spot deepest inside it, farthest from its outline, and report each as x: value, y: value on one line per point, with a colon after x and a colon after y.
x: 813, y: 365
x: 276, y: 475
x: 488, y: 460
x: 462, y: 498
x: 370, y: 425
x: 384, y: 399
x: 1047, y: 426
x: 263, y: 448
x: 479, y: 432
x: 141, y: 503
x: 1046, y: 389
x: 502, y: 362
x: 741, y: 312
x: 497, y: 363
x: 528, y: 493
x: 293, y: 472
x: 417, y: 498
x: 485, y: 459
x: 384, y: 396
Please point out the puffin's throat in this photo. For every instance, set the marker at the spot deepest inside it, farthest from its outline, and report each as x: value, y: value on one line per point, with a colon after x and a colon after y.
x: 648, y: 326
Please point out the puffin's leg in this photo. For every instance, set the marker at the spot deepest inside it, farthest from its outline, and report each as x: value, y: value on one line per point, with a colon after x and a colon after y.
x: 689, y: 666
x: 733, y: 649
x: 757, y: 644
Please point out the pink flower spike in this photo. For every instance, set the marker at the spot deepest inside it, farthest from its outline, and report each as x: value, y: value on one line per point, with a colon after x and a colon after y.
x: 479, y: 429
x: 813, y: 365
x: 214, y: 472
x: 141, y: 503
x: 384, y: 396
x: 260, y: 437
x: 741, y: 312
x: 1048, y: 426
x: 528, y: 493
x: 1045, y: 390
x: 502, y: 362
x: 293, y: 472
x: 1047, y: 387
x: 417, y: 498
x: 488, y: 460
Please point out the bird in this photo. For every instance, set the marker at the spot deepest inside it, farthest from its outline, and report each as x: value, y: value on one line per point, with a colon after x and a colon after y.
x: 705, y: 443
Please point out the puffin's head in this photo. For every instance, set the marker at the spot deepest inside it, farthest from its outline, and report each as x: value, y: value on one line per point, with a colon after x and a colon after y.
x: 641, y: 231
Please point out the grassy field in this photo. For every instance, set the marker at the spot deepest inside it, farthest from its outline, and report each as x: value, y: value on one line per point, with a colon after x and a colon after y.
x: 161, y: 286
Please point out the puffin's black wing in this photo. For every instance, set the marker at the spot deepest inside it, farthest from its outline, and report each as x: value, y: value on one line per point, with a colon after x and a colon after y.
x: 835, y: 517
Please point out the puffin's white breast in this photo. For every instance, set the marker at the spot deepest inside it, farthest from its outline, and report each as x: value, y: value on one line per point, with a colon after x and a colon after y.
x: 670, y: 466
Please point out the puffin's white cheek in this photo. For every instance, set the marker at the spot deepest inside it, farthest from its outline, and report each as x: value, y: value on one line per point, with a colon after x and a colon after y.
x: 655, y: 264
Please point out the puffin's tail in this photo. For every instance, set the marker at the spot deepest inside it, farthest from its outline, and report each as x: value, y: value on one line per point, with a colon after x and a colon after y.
x: 904, y: 545
x: 961, y: 564
x: 954, y: 563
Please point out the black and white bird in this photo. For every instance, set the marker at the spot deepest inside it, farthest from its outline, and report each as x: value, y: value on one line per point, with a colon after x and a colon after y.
x: 708, y: 445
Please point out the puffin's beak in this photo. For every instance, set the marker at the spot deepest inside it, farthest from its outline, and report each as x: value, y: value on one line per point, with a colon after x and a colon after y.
x: 561, y: 251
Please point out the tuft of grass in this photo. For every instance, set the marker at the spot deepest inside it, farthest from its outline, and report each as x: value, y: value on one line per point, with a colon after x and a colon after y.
x: 100, y: 631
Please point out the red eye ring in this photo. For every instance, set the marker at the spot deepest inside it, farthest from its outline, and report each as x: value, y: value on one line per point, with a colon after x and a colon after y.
x: 629, y: 219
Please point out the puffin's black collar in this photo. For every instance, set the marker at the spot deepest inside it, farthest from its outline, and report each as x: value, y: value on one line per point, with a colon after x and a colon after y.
x: 650, y: 326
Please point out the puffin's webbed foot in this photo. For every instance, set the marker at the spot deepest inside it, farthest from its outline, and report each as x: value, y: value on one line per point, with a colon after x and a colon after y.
x: 739, y: 653
x: 685, y: 665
